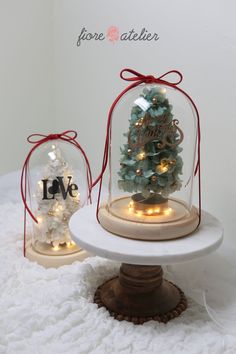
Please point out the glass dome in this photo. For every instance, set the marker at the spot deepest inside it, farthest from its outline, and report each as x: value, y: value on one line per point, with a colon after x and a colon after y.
x: 152, y: 153
x: 59, y: 185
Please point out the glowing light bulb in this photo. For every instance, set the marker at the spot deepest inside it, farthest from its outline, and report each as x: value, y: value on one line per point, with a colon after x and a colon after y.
x: 163, y: 90
x: 141, y: 155
x: 162, y: 168
x: 56, y: 248
x: 53, y: 146
x: 39, y: 219
x: 157, y: 210
x: 150, y: 211
x: 131, y: 204
x: 70, y: 243
x: 167, y: 211
x: 40, y: 184
x: 139, y: 213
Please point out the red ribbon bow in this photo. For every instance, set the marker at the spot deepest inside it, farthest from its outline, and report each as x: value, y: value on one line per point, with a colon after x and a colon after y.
x: 69, y: 136
x: 138, y: 79
x: 149, y: 79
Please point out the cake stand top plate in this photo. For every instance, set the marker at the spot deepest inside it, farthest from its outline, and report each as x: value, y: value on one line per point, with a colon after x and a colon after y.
x: 91, y: 236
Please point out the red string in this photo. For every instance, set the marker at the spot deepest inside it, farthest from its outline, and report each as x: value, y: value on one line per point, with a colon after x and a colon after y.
x: 137, y: 79
x: 39, y: 139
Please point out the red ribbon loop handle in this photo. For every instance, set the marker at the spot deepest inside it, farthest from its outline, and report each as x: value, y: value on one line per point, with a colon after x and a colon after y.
x: 39, y: 139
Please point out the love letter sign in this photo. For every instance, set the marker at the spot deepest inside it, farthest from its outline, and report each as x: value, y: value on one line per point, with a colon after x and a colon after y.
x: 58, y: 186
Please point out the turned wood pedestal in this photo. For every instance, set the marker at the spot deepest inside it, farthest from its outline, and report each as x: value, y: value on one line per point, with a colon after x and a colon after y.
x: 140, y: 294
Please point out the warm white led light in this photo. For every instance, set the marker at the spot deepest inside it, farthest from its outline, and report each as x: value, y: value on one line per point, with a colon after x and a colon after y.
x: 150, y: 211
x: 139, y: 213
x: 39, y: 219
x: 56, y: 248
x: 163, y: 90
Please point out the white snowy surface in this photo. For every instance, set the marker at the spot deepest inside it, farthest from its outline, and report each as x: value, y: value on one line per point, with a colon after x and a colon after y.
x: 50, y: 311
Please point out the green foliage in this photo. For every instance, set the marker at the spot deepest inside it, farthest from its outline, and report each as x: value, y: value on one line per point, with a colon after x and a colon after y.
x: 151, y: 148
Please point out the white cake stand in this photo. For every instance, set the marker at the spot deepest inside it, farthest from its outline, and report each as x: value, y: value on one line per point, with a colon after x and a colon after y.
x: 140, y: 293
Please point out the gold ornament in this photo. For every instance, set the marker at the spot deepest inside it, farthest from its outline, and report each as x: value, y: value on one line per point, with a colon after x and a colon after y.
x: 172, y: 162
x: 154, y: 100
x: 51, y: 213
x: 139, y: 123
x: 159, y: 145
x: 138, y: 172
x: 154, y: 178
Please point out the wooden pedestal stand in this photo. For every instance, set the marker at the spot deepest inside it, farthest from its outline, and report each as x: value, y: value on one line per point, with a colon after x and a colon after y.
x: 140, y: 294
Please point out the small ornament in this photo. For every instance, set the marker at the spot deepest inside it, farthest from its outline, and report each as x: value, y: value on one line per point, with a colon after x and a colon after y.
x: 172, y: 162
x: 138, y: 172
x: 154, y: 100
x: 51, y: 213
x: 139, y: 123
x: 129, y: 151
x: 159, y: 145
x: 154, y: 178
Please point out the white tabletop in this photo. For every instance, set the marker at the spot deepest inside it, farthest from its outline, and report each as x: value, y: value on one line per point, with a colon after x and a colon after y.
x: 91, y: 236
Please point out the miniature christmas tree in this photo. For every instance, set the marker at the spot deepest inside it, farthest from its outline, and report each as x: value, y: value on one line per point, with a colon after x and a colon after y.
x: 150, y: 161
x: 57, y: 199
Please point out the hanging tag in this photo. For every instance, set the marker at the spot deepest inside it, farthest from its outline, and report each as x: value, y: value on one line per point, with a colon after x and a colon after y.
x: 142, y: 103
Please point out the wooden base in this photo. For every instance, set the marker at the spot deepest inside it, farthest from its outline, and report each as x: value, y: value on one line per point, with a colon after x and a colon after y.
x: 55, y: 261
x: 117, y: 219
x: 140, y: 294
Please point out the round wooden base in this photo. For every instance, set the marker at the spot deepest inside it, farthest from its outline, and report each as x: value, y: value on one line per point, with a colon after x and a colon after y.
x: 140, y: 294
x: 55, y: 261
x: 120, y: 221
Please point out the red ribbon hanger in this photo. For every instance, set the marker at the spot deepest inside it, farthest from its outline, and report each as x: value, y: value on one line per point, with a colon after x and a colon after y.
x: 39, y: 139
x: 137, y: 79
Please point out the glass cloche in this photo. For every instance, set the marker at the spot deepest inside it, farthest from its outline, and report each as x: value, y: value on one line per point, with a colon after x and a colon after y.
x: 59, y: 183
x: 152, y: 150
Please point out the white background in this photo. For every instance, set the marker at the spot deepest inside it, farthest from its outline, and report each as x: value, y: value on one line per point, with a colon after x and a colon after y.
x: 48, y: 84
